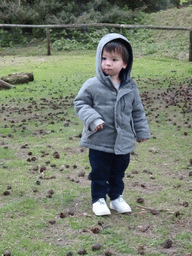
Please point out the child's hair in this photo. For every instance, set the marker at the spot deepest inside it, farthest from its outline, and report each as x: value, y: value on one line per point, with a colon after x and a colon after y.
x: 117, y: 46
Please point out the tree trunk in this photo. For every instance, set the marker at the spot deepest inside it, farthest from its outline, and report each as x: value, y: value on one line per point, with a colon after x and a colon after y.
x: 151, y: 5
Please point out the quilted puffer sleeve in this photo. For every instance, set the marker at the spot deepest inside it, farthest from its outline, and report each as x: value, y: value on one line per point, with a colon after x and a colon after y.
x: 83, y: 105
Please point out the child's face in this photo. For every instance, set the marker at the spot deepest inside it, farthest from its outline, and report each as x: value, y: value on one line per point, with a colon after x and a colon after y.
x: 112, y: 63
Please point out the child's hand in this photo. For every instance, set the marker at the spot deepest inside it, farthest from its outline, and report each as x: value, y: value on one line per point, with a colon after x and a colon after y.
x: 142, y: 140
x: 99, y: 127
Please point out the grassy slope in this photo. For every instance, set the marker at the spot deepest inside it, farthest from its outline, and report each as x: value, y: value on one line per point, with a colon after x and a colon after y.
x: 172, y: 44
x: 172, y: 17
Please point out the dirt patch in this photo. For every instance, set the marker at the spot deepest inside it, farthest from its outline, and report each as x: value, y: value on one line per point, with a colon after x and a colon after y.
x: 77, y: 150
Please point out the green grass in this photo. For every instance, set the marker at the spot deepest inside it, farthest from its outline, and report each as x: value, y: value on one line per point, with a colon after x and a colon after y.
x: 40, y: 111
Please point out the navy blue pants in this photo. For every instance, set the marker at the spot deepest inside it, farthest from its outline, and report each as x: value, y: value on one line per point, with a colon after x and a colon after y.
x: 107, y: 174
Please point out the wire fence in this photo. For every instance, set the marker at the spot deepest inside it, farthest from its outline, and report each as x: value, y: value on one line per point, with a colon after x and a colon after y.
x: 121, y: 28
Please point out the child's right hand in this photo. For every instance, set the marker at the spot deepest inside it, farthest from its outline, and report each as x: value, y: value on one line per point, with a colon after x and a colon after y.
x: 143, y: 140
x: 99, y: 127
x: 96, y: 125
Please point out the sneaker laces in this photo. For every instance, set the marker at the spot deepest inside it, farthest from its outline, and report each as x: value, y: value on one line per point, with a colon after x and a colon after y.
x: 121, y: 198
x: 102, y: 201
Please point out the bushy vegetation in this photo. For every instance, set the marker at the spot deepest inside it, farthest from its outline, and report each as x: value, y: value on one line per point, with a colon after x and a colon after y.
x: 57, y: 12
x: 170, y: 44
x: 66, y: 12
x: 63, y: 12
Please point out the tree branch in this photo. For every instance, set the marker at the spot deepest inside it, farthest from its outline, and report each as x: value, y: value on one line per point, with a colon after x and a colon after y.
x: 5, y: 84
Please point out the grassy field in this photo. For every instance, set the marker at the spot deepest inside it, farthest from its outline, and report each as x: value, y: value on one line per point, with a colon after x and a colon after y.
x: 45, y: 202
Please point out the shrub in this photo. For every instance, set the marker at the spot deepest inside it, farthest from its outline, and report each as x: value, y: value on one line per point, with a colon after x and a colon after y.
x: 9, y: 37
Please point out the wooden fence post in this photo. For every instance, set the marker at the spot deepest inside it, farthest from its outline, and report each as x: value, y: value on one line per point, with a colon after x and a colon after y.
x: 121, y: 30
x: 190, y: 46
x: 48, y: 42
x: 121, y: 26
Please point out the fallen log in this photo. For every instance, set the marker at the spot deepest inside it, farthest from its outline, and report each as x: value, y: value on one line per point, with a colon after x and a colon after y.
x: 18, y: 78
x: 5, y: 85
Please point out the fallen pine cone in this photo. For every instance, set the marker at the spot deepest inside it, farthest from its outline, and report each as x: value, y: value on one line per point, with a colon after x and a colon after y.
x: 50, y: 191
x: 56, y: 155
x: 167, y: 244
x: 143, y: 228
x: 43, y: 168
x: 62, y: 215
x: 6, y: 193
x: 24, y: 146
x: 82, y: 252
x: 141, y: 250
x: 108, y: 253
x: 81, y: 174
x: 100, y: 222
x: 96, y: 247
x: 71, y: 212
x: 155, y: 212
x: 95, y: 230
x: 140, y: 200
x: 35, y: 168
x: 7, y: 253
x: 185, y: 204
x: 52, y: 222
x: 177, y: 214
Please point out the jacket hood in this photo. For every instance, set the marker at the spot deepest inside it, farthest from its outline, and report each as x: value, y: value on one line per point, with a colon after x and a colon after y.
x: 104, y: 40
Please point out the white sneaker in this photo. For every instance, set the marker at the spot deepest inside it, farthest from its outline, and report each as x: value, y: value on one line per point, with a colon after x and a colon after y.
x: 120, y: 205
x: 100, y: 207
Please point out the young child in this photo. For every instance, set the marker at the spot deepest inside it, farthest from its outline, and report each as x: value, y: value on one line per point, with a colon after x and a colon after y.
x: 110, y: 108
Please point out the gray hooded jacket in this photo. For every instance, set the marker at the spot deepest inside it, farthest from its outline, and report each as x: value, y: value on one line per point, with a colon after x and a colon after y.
x: 122, y: 110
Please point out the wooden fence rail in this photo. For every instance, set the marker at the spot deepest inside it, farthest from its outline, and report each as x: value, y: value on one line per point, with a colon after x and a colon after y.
x: 120, y: 26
